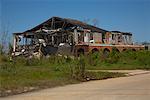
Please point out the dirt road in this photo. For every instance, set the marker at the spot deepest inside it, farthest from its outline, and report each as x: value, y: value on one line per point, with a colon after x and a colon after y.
x: 125, y: 88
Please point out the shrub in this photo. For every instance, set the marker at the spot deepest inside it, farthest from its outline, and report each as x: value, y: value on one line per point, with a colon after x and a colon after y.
x: 77, y: 68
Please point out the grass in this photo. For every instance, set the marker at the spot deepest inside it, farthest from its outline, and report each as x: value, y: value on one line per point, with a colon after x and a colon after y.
x: 56, y: 71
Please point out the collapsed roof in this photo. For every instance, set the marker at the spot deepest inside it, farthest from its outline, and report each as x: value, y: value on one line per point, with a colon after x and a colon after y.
x: 57, y: 22
x: 124, y: 33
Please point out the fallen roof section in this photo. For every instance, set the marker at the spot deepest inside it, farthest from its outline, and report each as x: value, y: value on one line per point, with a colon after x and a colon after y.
x: 124, y: 33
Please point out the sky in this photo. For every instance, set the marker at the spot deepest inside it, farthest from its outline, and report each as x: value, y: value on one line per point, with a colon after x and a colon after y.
x: 112, y: 15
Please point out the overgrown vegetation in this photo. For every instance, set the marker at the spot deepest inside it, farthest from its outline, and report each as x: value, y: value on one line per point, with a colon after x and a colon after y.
x: 33, y: 73
x: 124, y: 60
x: 22, y: 74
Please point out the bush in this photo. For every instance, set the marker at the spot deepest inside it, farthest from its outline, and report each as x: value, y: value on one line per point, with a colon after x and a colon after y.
x: 122, y: 60
x: 94, y: 59
x: 77, y: 68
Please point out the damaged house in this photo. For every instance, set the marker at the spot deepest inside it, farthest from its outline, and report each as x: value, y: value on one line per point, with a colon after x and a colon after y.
x: 69, y: 37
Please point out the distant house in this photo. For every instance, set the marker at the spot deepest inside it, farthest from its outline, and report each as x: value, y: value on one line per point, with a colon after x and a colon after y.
x: 147, y: 45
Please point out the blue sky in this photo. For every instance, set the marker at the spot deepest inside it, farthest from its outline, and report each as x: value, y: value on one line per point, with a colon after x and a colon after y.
x: 122, y: 15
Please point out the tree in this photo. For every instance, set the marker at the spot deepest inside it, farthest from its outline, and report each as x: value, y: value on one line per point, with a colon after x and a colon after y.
x: 94, y: 22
